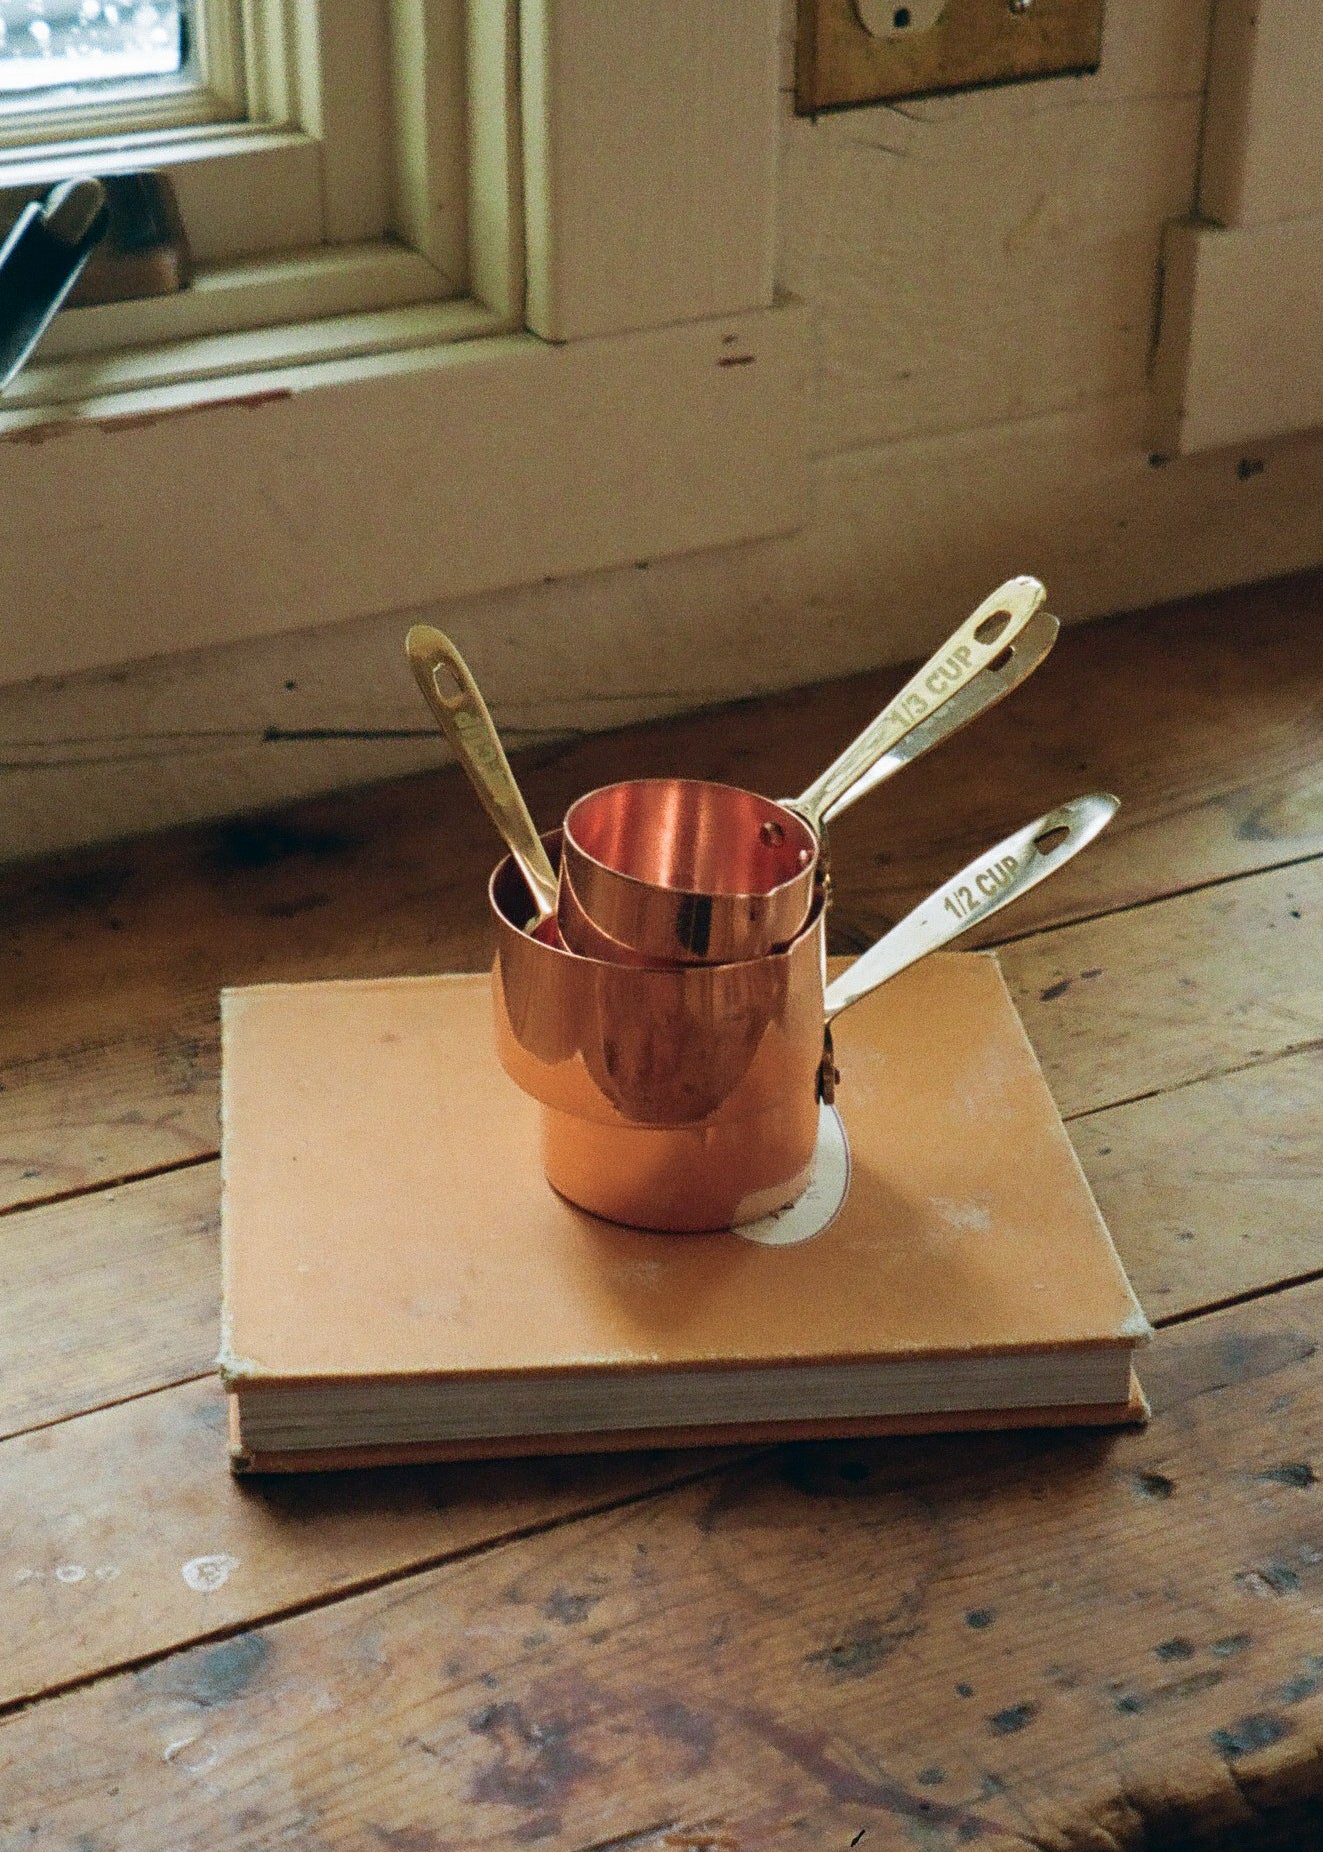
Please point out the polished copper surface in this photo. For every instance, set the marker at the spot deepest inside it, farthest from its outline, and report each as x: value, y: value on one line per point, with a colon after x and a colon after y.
x: 686, y: 1096
x: 680, y: 1098
x: 687, y: 1178
x: 629, y: 1044
x: 693, y: 836
x: 677, y: 870
x: 578, y: 933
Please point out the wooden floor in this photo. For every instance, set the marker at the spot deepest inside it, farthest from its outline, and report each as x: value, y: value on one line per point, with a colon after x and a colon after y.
x: 1049, y: 1640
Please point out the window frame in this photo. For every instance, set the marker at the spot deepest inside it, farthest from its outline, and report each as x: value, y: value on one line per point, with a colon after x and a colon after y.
x: 627, y: 387
x: 301, y: 151
x: 338, y: 258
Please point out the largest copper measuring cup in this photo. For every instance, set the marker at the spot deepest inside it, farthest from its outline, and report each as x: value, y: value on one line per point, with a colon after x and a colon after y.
x: 684, y: 871
x: 678, y: 1098
x: 688, y: 1099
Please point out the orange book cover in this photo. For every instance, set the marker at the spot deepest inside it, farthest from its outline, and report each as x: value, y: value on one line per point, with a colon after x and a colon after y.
x: 400, y: 1282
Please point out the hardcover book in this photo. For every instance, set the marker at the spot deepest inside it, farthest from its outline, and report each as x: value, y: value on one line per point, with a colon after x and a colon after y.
x: 401, y: 1283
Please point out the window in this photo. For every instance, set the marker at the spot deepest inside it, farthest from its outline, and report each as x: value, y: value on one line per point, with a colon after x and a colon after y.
x: 77, y: 54
x: 317, y: 150
x: 578, y: 360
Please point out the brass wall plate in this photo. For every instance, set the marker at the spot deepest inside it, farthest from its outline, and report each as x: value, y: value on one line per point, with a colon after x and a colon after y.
x: 839, y: 62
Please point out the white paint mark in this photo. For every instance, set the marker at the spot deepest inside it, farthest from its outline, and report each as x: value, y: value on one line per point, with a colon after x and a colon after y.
x: 820, y: 1203
x: 1255, y: 1584
x: 107, y: 1572
x: 70, y: 1572
x: 171, y: 1750
x: 27, y: 1575
x: 208, y: 1573
x: 976, y: 1217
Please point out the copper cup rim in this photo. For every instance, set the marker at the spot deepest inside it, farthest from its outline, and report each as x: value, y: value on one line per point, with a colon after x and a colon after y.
x: 558, y: 948
x: 733, y: 896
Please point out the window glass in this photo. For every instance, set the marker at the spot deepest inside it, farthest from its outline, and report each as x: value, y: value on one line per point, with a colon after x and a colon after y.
x: 55, y: 53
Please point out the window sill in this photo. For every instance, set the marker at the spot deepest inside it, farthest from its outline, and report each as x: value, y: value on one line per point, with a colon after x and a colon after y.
x: 175, y: 375
x: 230, y: 487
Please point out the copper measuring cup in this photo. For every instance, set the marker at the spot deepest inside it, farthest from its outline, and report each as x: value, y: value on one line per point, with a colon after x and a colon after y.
x: 679, y: 870
x: 715, y: 1122
x: 650, y: 1045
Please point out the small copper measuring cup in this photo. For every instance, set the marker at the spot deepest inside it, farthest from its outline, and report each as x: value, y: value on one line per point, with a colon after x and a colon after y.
x: 680, y: 870
x: 688, y: 1098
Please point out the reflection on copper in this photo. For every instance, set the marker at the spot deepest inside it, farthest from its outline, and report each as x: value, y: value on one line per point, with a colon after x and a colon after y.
x: 575, y: 930
x: 673, y: 1045
x: 680, y: 1098
x: 677, y: 870
x: 684, y: 1178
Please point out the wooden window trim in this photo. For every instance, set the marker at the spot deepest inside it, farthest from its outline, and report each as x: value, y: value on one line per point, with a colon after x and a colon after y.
x: 648, y: 403
x: 1239, y: 358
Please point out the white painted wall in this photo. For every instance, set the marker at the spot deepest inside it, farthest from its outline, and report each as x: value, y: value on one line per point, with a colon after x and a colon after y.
x: 981, y: 272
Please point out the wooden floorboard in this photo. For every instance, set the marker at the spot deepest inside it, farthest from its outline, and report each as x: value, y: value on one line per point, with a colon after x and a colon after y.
x: 809, y: 1644
x: 1158, y: 996
x: 1205, y: 718
x: 1212, y: 1191
x: 108, y: 1296
x: 116, y: 1292
x: 131, y: 1539
x: 1061, y: 1641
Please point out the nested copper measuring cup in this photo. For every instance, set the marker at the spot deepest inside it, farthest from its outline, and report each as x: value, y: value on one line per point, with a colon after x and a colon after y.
x: 683, y: 871
x: 688, y: 1098
x: 650, y: 1045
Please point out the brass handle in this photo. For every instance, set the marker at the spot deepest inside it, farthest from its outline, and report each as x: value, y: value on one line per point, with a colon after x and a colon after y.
x: 1014, y: 664
x: 988, y: 884
x: 466, y: 723
x: 979, y: 641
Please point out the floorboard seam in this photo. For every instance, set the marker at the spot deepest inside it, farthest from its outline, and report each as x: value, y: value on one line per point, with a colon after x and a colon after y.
x: 1198, y: 1080
x: 108, y: 1183
x: 115, y: 1401
x: 329, y: 1598
x: 1151, y: 900
x: 1248, y: 1297
x: 622, y: 1842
